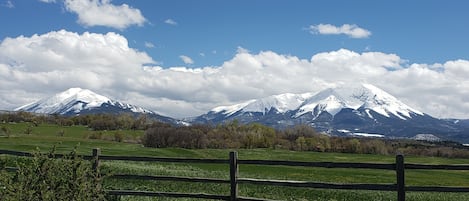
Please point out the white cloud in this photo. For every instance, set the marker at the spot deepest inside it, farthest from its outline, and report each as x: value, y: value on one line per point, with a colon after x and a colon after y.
x: 56, y: 60
x: 36, y: 66
x: 241, y: 50
x: 103, y: 13
x: 186, y: 59
x: 350, y: 30
x: 47, y: 1
x: 149, y: 44
x: 8, y: 4
x: 170, y: 22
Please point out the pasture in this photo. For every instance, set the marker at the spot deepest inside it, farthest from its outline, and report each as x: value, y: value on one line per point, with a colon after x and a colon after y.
x: 65, y: 138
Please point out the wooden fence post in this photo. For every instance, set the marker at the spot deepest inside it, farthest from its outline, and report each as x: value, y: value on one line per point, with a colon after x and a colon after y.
x: 96, y: 153
x: 233, y: 175
x: 400, y: 177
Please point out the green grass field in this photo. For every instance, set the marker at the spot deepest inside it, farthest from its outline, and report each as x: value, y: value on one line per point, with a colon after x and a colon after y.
x: 46, y: 136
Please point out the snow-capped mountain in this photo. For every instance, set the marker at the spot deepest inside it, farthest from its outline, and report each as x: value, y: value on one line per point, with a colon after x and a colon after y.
x: 76, y: 101
x: 362, y: 108
x: 280, y: 103
x: 365, y: 96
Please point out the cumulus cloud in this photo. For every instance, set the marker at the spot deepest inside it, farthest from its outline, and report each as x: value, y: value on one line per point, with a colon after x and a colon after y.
x: 32, y: 67
x: 149, y: 44
x: 186, y: 59
x: 170, y: 22
x: 103, y: 13
x: 60, y: 59
x: 350, y: 30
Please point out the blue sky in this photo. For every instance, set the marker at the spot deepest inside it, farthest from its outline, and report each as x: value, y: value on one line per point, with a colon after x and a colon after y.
x: 419, y: 46
x: 418, y: 31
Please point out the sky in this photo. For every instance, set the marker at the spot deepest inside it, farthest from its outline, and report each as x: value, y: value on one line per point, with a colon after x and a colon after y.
x: 183, y: 58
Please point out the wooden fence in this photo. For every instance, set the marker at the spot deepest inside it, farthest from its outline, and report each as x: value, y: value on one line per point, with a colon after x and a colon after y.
x: 399, y: 167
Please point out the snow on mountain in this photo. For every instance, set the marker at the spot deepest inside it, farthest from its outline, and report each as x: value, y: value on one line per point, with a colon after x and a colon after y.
x: 427, y: 137
x: 327, y: 100
x: 365, y: 96
x: 383, y: 103
x: 281, y: 103
x: 75, y: 100
x: 331, y: 100
x: 231, y: 109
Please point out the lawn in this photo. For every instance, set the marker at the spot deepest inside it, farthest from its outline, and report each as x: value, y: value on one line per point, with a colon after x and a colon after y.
x: 46, y: 136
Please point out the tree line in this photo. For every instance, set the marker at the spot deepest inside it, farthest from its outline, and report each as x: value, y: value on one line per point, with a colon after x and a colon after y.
x: 233, y: 135
x: 98, y: 122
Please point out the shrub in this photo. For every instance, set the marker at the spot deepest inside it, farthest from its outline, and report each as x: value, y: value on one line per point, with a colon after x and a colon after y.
x: 96, y: 135
x: 5, y: 130
x: 61, y: 132
x: 28, y: 130
x: 118, y: 136
x: 43, y: 177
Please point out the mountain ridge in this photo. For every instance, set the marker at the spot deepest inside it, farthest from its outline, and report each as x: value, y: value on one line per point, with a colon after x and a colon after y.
x: 362, y: 108
x: 331, y: 100
x: 78, y: 101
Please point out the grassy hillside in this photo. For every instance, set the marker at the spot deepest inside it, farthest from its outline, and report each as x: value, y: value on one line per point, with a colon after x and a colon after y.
x: 65, y: 138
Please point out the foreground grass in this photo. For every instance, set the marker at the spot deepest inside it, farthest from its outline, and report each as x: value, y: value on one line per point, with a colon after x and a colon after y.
x: 272, y: 192
x: 46, y: 136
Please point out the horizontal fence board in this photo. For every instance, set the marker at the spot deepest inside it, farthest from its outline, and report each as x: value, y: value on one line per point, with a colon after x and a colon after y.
x: 240, y: 198
x: 167, y: 194
x: 381, y: 187
x: 11, y: 169
x: 436, y: 167
x: 168, y: 178
x: 15, y: 153
x: 158, y: 159
x: 55, y: 155
x: 320, y: 164
x: 437, y: 189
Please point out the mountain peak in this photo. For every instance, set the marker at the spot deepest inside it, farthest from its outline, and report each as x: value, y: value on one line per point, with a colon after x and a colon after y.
x: 79, y: 94
x: 74, y: 101
x: 383, y: 103
x: 332, y: 100
x: 281, y: 103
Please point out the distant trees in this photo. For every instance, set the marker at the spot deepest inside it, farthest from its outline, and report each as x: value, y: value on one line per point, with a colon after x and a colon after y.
x: 124, y: 121
x: 300, y: 138
x: 231, y: 135
x: 234, y: 135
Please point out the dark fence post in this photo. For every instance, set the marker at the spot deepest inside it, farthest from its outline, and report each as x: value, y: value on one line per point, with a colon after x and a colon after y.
x: 234, y: 175
x: 400, y: 177
x: 96, y: 153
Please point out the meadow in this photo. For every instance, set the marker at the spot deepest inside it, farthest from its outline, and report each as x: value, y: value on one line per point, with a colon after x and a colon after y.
x: 65, y: 138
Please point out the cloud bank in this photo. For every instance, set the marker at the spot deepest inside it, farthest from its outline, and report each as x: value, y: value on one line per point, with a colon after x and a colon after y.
x: 32, y: 67
x: 103, y: 13
x: 350, y: 30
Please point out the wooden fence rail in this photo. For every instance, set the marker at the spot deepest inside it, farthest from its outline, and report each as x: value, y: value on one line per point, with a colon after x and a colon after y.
x: 399, y: 167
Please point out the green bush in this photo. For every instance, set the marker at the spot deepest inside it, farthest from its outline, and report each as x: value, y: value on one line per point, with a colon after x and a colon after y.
x: 5, y: 131
x: 43, y: 177
x: 118, y: 136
